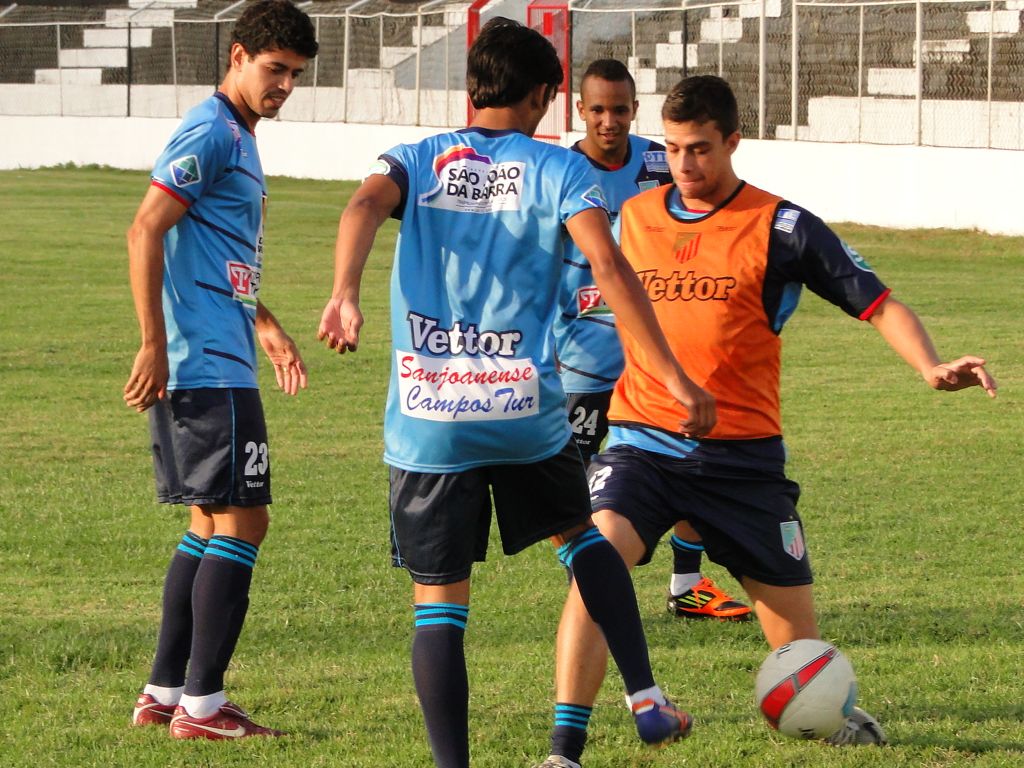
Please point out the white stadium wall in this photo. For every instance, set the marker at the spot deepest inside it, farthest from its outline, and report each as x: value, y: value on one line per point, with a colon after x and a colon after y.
x: 891, y: 186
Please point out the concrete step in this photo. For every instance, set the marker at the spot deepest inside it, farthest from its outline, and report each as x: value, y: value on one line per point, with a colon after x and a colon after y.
x: 91, y: 76
x: 93, y: 57
x: 142, y: 37
x: 153, y: 17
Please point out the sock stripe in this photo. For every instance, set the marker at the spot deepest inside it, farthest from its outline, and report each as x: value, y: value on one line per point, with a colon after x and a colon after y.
x: 229, y: 548
x: 573, y: 547
x: 432, y: 614
x: 242, y: 547
x: 193, y: 545
x: 572, y: 716
x: 678, y: 543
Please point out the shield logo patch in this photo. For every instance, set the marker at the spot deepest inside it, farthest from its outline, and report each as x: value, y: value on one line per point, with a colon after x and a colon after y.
x: 793, y: 539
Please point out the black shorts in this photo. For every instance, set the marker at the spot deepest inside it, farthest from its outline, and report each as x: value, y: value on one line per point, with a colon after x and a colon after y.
x: 210, y: 447
x: 588, y: 417
x: 748, y: 519
x: 440, y: 522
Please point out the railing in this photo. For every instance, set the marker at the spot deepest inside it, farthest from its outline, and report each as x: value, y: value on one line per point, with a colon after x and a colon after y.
x: 929, y: 72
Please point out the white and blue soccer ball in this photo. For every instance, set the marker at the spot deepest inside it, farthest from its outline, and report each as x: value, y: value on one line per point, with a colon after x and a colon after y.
x: 806, y: 689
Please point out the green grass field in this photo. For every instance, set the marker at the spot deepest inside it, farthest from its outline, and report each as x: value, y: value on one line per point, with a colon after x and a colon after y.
x: 912, y: 503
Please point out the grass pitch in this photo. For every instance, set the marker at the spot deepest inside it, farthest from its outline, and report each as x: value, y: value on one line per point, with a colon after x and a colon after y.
x: 912, y: 503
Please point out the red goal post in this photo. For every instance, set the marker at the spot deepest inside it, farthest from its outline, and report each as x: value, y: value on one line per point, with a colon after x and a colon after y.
x: 552, y: 20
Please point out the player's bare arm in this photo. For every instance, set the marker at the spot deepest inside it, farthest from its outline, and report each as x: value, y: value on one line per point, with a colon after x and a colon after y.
x: 289, y: 369
x: 157, y: 213
x: 624, y: 294
x: 903, y: 330
x: 369, y: 208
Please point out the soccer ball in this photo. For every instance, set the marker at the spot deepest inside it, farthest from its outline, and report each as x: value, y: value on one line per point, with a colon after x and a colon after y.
x: 806, y: 689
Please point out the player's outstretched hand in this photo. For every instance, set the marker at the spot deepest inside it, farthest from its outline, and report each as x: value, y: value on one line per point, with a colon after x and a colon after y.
x: 147, y: 382
x: 340, y: 325
x: 289, y: 369
x: 701, y: 414
x: 964, y: 372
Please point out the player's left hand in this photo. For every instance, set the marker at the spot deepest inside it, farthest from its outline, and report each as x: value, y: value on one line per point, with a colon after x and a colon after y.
x: 340, y: 324
x: 964, y: 372
x: 289, y: 369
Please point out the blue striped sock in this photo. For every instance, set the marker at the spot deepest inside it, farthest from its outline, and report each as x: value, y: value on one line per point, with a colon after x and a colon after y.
x: 569, y: 735
x: 686, y: 555
x: 442, y: 685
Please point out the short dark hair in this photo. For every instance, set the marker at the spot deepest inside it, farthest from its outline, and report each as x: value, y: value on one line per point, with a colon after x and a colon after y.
x: 275, y: 25
x: 507, y: 61
x: 612, y: 70
x: 702, y: 98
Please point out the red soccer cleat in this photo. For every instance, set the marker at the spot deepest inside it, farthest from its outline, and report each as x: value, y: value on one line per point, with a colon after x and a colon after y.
x: 706, y: 600
x: 149, y: 711
x: 229, y: 722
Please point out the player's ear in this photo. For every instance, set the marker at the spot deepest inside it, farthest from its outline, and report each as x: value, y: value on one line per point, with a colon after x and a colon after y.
x: 732, y: 141
x: 579, y: 108
x: 237, y: 55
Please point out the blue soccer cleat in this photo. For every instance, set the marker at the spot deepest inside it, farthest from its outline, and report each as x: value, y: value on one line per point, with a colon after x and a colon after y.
x: 661, y: 723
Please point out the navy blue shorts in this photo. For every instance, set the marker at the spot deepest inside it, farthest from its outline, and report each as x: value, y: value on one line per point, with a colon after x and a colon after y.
x: 588, y: 417
x: 748, y: 519
x: 210, y: 448
x: 440, y: 522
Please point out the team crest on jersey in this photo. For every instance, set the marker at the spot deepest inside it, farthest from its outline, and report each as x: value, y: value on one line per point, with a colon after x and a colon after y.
x: 793, y: 539
x: 589, y: 302
x: 469, y: 182
x: 856, y: 258
x: 245, y: 282
x: 685, y: 246
x: 785, y: 220
x: 185, y: 171
x: 656, y: 161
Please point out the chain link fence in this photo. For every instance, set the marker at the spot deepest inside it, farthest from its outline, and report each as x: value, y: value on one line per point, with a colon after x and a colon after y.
x: 930, y: 72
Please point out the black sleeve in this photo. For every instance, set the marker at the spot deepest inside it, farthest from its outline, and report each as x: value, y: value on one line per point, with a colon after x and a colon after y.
x: 397, y: 173
x: 803, y: 249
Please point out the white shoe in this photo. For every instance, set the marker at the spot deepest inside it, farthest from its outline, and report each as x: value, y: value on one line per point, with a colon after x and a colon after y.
x: 860, y: 729
x: 557, y: 761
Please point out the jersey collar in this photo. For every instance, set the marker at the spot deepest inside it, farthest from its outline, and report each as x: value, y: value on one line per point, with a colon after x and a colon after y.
x: 601, y: 166
x: 234, y: 111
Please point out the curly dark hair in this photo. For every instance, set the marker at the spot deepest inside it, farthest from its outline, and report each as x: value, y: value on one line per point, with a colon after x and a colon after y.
x: 507, y: 61
x: 275, y: 25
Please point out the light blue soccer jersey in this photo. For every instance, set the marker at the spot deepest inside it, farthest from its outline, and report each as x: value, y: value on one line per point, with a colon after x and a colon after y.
x: 586, y: 342
x: 473, y: 297
x: 213, y: 256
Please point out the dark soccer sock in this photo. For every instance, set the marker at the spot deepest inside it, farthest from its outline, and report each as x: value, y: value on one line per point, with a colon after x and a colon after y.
x: 685, y: 555
x: 607, y: 591
x: 569, y: 735
x: 439, y: 671
x: 220, y: 599
x: 175, y: 639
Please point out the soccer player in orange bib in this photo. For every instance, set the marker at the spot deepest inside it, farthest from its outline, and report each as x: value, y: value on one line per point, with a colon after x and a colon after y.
x: 723, y: 264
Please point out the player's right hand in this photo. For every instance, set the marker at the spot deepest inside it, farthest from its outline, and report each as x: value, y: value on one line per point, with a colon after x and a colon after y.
x: 148, y: 380
x: 340, y: 324
x: 701, y: 414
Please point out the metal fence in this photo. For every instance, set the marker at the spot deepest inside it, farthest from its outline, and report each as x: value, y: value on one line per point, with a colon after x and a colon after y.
x: 931, y: 72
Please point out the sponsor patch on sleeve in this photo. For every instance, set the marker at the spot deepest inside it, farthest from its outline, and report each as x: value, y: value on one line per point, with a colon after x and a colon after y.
x: 185, y: 171
x: 379, y: 168
x: 856, y: 258
x: 595, y: 197
x: 785, y: 220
